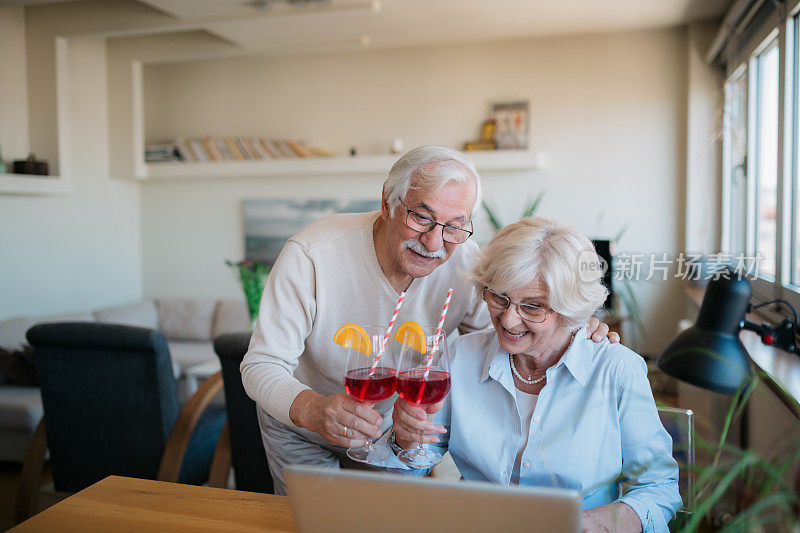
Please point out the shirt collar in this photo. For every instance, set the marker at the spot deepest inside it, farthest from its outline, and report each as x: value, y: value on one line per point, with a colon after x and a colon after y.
x: 496, y: 361
x: 577, y: 359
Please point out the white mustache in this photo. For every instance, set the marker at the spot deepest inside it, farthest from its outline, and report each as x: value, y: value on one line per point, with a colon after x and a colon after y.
x: 415, y: 246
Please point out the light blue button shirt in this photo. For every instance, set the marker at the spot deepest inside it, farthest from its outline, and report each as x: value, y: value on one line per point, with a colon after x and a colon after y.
x: 595, y: 424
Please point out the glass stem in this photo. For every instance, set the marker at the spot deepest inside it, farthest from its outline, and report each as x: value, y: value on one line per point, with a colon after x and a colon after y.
x: 368, y: 444
x: 420, y: 448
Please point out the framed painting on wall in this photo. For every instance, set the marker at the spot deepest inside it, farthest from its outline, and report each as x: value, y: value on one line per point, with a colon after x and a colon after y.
x: 511, y: 119
x: 268, y: 224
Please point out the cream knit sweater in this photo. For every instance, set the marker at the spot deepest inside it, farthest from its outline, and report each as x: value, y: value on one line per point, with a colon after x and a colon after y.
x: 326, y: 276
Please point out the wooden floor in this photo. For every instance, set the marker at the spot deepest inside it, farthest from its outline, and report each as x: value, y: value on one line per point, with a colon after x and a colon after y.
x: 9, y: 476
x: 9, y: 479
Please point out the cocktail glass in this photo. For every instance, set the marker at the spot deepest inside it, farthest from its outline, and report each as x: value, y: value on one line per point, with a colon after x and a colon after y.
x: 370, y: 378
x: 423, y: 378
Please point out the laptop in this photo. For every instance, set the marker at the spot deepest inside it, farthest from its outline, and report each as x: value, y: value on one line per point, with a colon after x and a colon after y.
x: 355, y: 501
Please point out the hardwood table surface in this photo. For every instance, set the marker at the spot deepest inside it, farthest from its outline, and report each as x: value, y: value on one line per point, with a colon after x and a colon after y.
x: 127, y: 504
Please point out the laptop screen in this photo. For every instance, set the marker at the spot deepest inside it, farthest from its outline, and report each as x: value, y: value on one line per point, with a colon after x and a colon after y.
x: 352, y: 500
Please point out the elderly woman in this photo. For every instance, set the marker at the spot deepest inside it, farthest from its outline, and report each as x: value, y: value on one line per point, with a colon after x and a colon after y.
x: 533, y: 402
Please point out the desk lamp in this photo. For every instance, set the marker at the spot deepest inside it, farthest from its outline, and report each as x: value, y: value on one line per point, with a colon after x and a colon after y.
x: 710, y: 354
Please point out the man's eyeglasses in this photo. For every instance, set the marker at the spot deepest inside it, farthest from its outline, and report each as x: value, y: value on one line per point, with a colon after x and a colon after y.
x: 450, y: 233
x: 528, y: 312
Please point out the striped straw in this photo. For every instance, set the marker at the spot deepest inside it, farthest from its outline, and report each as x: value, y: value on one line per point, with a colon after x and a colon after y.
x: 436, y: 335
x: 388, y: 332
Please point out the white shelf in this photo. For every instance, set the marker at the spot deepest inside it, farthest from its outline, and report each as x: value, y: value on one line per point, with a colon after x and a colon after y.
x: 36, y: 185
x: 33, y: 185
x: 505, y: 160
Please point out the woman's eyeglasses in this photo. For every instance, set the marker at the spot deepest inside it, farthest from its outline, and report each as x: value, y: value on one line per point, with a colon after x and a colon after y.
x: 528, y: 312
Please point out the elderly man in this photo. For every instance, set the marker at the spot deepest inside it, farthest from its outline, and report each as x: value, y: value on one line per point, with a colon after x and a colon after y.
x: 351, y: 268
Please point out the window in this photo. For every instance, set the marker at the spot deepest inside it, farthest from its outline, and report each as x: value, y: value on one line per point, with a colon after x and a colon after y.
x: 735, y: 164
x: 765, y: 201
x: 793, y: 218
x: 761, y: 151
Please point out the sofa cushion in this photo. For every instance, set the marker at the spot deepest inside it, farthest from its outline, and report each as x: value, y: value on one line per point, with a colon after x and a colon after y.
x: 19, y: 367
x: 141, y: 314
x: 20, y: 407
x: 231, y: 317
x: 190, y: 353
x: 186, y: 318
x: 12, y: 332
x: 78, y: 316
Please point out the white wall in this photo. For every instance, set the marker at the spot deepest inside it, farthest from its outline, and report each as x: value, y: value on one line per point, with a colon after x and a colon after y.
x: 704, y: 144
x: 81, y: 250
x: 608, y: 113
x: 13, y: 85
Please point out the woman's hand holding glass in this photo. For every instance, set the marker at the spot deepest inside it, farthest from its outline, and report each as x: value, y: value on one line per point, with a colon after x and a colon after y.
x: 423, y: 380
x: 413, y: 423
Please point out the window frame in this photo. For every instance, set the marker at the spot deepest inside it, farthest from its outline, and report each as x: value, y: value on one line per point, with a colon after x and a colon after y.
x: 754, y: 95
x: 783, y: 31
x: 789, y: 200
x: 729, y: 169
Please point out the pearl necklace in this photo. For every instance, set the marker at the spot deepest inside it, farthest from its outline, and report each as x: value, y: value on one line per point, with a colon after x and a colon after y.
x: 539, y: 379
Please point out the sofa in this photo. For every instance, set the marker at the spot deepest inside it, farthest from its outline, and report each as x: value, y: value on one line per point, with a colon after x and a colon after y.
x: 189, y: 324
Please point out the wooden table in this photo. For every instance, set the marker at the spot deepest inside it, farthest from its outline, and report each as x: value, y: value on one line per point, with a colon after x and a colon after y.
x: 780, y: 369
x: 128, y: 504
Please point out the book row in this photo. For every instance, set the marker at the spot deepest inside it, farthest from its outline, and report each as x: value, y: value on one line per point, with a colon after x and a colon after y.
x: 212, y: 149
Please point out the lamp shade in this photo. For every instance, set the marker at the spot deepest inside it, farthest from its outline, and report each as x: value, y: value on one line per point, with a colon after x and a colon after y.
x: 710, y: 354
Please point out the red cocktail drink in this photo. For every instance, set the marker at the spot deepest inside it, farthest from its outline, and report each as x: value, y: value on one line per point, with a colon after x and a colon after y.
x: 370, y: 389
x: 414, y: 388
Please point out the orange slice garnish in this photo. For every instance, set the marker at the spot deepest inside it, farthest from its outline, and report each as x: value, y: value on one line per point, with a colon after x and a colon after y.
x: 412, y: 335
x: 353, y: 336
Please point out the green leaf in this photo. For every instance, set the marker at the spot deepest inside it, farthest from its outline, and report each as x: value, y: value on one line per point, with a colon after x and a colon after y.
x: 707, y: 503
x: 742, y: 521
x: 621, y: 232
x: 252, y: 277
x: 631, y: 305
x: 493, y: 220
x: 534, y: 205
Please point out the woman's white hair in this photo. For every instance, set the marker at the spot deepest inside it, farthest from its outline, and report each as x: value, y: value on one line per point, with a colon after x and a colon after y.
x: 548, y: 251
x: 430, y: 167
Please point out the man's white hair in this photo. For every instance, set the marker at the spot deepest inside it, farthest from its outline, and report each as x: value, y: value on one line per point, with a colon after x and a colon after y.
x: 430, y: 168
x: 545, y: 250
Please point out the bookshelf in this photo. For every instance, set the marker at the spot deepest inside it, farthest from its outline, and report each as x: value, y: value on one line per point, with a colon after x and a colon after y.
x: 485, y: 161
x: 497, y: 160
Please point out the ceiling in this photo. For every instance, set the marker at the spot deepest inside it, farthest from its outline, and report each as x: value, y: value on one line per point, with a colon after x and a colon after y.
x: 336, y: 24
x: 388, y: 23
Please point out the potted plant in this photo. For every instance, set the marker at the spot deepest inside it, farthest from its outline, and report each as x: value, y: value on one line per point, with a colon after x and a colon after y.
x: 252, y: 276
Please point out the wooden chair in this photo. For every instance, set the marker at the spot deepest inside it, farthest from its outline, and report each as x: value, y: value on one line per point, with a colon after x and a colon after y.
x: 111, y: 408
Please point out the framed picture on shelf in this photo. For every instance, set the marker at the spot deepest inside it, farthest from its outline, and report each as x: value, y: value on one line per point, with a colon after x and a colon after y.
x: 511, y: 119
